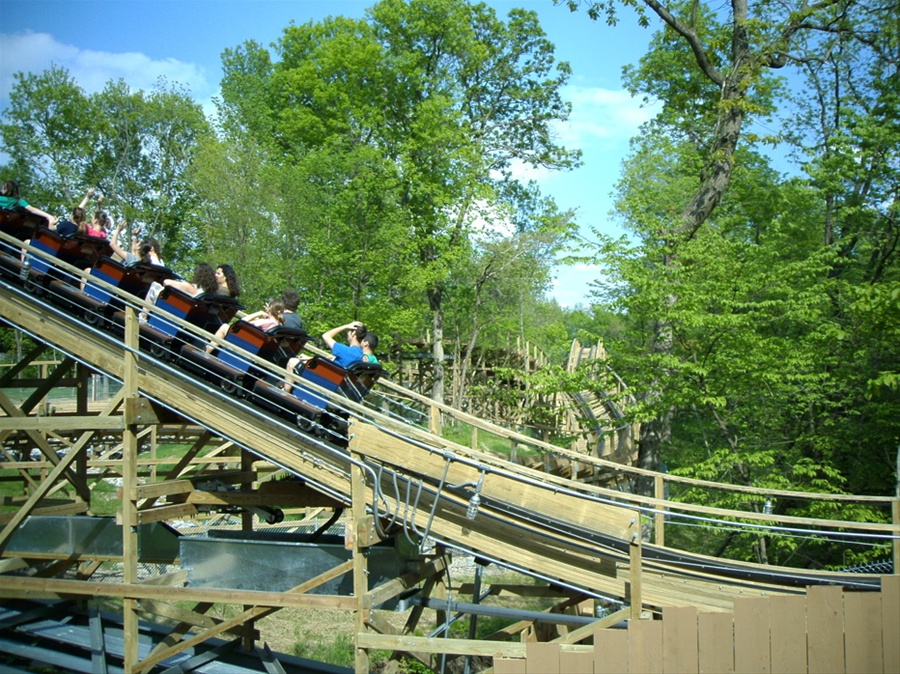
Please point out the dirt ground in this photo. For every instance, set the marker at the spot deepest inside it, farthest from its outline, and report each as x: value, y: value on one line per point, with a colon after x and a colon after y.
x: 288, y: 627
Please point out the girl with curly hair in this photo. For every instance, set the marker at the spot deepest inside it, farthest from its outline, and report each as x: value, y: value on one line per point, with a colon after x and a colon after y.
x: 227, y: 281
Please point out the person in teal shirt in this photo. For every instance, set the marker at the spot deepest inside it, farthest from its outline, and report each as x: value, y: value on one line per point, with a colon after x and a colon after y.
x: 369, y: 343
x: 10, y: 199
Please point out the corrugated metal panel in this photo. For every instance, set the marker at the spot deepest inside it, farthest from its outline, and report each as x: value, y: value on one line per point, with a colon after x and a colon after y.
x: 277, y: 562
x: 82, y: 535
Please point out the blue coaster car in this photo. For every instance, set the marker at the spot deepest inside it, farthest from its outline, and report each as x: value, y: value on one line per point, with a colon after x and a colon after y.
x: 78, y: 250
x: 311, y: 410
x: 230, y: 368
x: 164, y: 337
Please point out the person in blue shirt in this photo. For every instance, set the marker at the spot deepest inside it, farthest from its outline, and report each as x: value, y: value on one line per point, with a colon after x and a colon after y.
x: 351, y: 352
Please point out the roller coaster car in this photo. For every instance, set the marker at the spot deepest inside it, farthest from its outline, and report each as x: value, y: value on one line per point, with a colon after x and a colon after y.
x: 290, y: 342
x: 10, y: 260
x: 20, y: 223
x: 95, y: 302
x: 79, y: 250
x: 309, y: 409
x: 163, y: 337
x: 230, y: 369
x: 150, y: 274
x: 361, y: 377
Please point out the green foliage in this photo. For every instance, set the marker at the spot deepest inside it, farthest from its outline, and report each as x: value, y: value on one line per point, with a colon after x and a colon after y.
x: 14, y: 343
x: 386, y: 143
x: 766, y: 340
x: 135, y: 146
x: 337, y: 651
x: 365, y: 163
x: 485, y: 625
x: 411, y: 666
x: 757, y: 351
x: 48, y: 132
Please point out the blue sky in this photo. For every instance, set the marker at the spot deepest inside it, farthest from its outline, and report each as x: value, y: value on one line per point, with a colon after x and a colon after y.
x: 140, y: 41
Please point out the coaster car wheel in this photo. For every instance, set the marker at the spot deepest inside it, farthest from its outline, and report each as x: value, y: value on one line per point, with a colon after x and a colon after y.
x: 157, y: 350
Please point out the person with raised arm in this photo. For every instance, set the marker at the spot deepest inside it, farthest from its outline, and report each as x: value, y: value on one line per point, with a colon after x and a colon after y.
x: 142, y: 250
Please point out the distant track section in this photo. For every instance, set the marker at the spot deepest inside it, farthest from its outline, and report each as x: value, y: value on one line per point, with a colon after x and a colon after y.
x: 596, y: 415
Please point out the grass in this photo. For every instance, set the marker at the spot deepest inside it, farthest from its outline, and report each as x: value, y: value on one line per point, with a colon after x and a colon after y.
x: 105, y: 501
x: 337, y: 650
x: 461, y: 434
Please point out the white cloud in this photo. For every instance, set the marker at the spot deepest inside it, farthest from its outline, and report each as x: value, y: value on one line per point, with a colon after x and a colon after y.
x: 91, y: 69
x: 602, y: 119
x: 603, y: 115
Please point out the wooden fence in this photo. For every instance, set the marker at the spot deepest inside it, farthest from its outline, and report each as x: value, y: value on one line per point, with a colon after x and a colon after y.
x: 827, y: 630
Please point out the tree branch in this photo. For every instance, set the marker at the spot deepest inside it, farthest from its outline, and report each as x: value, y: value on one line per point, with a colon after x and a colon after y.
x: 693, y: 40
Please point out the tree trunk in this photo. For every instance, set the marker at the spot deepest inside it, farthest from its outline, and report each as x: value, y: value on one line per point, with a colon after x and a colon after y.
x: 654, y: 434
x: 714, y: 180
x: 657, y: 432
x: 717, y: 174
x: 435, y: 296
x: 470, y: 348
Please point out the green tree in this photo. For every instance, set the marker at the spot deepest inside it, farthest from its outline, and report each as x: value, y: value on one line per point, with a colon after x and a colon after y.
x: 145, y: 146
x: 847, y: 130
x: 238, y: 195
x: 135, y: 146
x: 478, y: 95
x: 753, y: 340
x: 446, y: 96
x: 48, y: 131
x: 514, y: 248
x: 718, y: 74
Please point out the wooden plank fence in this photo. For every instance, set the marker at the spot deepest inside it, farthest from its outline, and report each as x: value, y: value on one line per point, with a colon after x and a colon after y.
x: 827, y: 630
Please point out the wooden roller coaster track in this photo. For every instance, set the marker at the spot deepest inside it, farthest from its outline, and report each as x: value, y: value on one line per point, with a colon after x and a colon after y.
x: 399, y: 482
